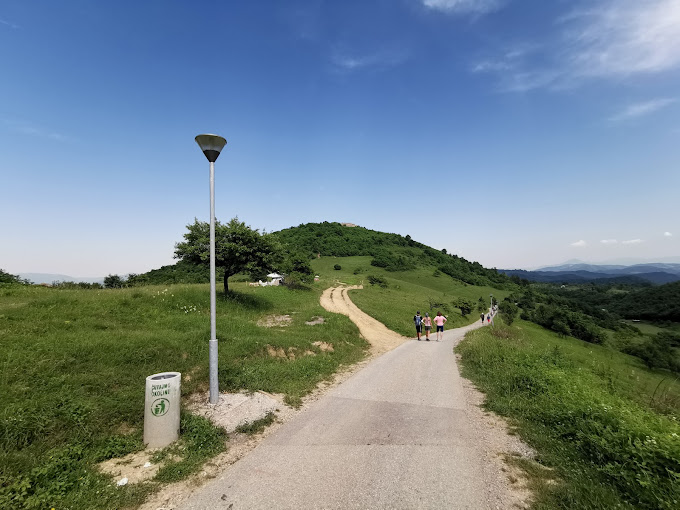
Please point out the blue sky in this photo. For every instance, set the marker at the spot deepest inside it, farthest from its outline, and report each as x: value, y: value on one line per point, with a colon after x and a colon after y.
x: 517, y: 133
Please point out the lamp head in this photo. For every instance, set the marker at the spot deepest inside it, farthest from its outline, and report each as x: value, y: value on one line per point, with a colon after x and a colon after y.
x: 211, y: 145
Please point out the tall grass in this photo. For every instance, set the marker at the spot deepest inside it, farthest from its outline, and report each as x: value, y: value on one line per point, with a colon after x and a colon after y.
x: 73, y: 365
x: 604, y: 448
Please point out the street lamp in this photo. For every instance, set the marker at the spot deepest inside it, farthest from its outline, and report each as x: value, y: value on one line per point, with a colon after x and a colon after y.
x: 212, y: 145
x: 492, y: 310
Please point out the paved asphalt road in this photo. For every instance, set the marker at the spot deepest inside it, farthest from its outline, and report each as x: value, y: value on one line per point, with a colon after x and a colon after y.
x: 395, y: 435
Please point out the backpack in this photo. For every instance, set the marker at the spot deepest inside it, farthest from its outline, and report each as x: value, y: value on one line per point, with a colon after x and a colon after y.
x: 418, y: 319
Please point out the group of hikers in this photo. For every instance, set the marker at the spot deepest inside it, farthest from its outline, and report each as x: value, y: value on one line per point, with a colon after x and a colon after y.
x: 426, y: 322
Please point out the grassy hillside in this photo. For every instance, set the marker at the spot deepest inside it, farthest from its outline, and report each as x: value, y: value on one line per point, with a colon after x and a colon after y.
x: 605, y: 428
x: 392, y: 252
x: 74, y: 364
x: 405, y: 292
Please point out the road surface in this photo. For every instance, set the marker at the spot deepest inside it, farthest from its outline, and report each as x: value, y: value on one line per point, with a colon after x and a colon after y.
x: 395, y: 435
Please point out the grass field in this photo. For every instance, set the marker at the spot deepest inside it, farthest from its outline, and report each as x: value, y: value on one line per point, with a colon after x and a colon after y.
x: 606, y: 428
x: 406, y: 293
x: 74, y: 364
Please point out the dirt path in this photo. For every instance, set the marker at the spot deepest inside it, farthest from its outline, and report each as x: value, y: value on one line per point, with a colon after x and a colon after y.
x: 336, y: 300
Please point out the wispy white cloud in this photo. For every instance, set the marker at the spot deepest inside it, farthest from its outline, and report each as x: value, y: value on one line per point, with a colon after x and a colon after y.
x: 632, y: 241
x: 609, y: 241
x: 347, y: 62
x: 611, y: 39
x: 463, y: 6
x: 579, y: 244
x: 7, y: 23
x: 622, y: 37
x: 640, y: 109
x: 667, y: 234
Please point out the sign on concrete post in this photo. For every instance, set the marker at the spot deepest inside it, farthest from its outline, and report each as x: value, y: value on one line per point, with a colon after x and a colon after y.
x: 161, y: 409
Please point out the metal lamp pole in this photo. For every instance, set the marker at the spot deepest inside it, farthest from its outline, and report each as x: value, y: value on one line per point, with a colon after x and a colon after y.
x: 212, y: 145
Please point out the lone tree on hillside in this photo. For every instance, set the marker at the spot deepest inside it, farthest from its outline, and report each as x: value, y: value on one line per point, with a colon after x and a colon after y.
x: 465, y: 306
x: 238, y: 248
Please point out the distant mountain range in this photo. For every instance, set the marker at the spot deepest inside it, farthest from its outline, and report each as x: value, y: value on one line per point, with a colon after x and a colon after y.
x: 39, y: 278
x: 579, y: 272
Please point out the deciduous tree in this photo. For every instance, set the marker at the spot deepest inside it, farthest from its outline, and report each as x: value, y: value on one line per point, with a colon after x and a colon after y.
x: 238, y: 248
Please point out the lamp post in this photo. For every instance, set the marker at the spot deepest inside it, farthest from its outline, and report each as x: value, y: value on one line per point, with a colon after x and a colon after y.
x: 491, y: 312
x: 212, y: 145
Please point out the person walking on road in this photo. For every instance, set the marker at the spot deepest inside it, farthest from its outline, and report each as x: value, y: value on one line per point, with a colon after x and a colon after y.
x: 488, y: 318
x: 439, y: 320
x: 427, y: 322
x: 418, y: 320
x: 482, y: 316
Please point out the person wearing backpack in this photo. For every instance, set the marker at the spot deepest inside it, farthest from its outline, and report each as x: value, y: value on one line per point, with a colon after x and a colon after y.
x: 418, y: 320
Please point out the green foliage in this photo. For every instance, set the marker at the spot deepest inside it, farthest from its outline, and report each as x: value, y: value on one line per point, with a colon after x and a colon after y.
x: 181, y: 272
x: 257, y: 426
x: 466, y: 306
x: 238, y: 248
x: 377, y: 280
x: 113, y: 281
x: 337, y: 267
x: 579, y: 325
x: 74, y: 363
x: 199, y: 441
x: 392, y: 261
x: 481, y: 305
x: 606, y: 450
x: 653, y: 303
x: 78, y: 285
x: 508, y: 311
x: 389, y: 251
x: 656, y: 352
x: 10, y: 279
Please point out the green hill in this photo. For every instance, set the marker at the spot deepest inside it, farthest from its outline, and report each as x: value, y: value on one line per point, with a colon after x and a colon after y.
x: 392, y: 252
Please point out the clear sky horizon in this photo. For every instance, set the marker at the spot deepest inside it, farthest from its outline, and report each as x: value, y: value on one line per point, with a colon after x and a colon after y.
x: 513, y: 133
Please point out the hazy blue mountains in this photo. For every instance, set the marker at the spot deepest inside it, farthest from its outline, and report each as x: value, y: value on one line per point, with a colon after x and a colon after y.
x: 654, y: 273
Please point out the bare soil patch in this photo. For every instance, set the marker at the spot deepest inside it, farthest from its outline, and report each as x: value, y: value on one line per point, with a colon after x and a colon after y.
x: 275, y: 321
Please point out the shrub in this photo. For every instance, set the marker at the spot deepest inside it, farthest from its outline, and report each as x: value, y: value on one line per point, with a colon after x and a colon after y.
x: 337, y: 267
x: 377, y: 280
x: 508, y: 311
x: 113, y: 281
x: 465, y: 306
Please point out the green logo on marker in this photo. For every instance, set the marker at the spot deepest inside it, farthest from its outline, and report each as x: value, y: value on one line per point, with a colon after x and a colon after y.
x: 160, y: 406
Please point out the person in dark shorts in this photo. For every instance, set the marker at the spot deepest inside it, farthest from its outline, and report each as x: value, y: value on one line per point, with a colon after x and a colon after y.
x: 439, y: 320
x: 427, y: 322
x: 418, y: 321
x: 482, y: 316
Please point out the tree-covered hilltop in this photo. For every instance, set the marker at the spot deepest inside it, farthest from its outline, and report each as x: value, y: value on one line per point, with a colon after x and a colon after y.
x: 390, y: 251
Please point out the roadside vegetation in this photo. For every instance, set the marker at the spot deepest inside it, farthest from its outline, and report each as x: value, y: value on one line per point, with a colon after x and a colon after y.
x: 605, y: 427
x: 74, y: 363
